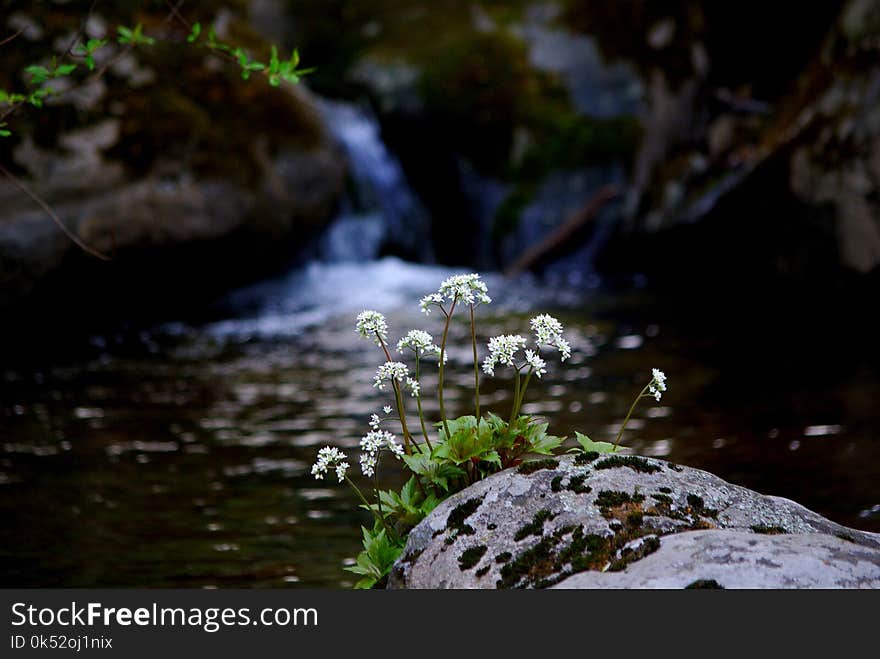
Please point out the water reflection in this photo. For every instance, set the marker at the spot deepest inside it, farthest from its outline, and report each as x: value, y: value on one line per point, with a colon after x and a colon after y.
x: 180, y: 457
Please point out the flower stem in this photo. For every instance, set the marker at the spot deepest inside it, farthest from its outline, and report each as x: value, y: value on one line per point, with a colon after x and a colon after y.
x: 443, y: 367
x: 360, y: 494
x: 628, y: 415
x: 391, y: 535
x: 419, y: 403
x: 515, y: 399
x: 522, y: 392
x: 476, y: 366
x: 401, y: 411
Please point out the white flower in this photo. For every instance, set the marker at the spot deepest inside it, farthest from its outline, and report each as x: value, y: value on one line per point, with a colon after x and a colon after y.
x: 371, y: 325
x: 419, y: 342
x: 534, y: 360
x: 469, y: 289
x: 548, y: 332
x: 392, y: 371
x: 372, y: 444
x: 414, y: 386
x: 564, y: 349
x: 658, y: 383
x: 387, y: 409
x: 329, y: 457
x: 432, y: 299
x: 502, y: 350
x: 375, y: 421
x: 368, y: 464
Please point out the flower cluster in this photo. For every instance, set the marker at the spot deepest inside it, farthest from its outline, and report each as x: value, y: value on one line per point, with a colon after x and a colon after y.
x: 372, y: 444
x: 420, y: 342
x: 330, y: 458
x: 658, y: 384
x: 502, y: 350
x: 430, y: 300
x: 538, y: 365
x: 548, y: 332
x: 414, y: 387
x: 468, y: 289
x: 371, y: 325
x: 390, y: 371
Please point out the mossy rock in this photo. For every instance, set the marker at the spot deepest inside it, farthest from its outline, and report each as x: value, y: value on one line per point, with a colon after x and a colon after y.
x: 537, y: 529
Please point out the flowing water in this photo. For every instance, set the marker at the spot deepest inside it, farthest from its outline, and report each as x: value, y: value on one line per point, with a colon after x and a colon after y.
x: 180, y: 455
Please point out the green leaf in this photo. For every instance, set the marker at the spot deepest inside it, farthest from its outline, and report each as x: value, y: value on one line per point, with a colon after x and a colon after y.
x: 38, y: 74
x: 588, y: 445
x: 63, y: 70
x: 134, y: 36
x: 434, y: 471
x: 194, y: 34
x: 377, y: 558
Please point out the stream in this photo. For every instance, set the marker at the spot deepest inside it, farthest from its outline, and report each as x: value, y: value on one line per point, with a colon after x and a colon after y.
x: 178, y: 455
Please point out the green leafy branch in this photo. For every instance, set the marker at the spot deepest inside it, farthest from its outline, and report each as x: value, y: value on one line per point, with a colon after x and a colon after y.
x: 39, y: 76
x: 275, y: 70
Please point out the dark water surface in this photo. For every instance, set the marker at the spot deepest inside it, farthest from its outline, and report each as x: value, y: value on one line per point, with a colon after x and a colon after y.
x: 181, y: 456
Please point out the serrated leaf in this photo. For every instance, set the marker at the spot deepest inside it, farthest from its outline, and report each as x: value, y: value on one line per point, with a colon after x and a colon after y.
x: 588, y: 445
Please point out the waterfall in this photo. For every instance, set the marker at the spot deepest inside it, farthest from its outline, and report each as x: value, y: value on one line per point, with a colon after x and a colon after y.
x: 381, y: 213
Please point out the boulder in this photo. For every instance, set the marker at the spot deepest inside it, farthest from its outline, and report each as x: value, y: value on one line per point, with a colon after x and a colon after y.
x: 537, y: 525
x: 742, y: 559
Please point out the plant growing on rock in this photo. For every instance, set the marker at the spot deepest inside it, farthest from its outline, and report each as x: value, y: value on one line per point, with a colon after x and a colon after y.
x: 446, y: 456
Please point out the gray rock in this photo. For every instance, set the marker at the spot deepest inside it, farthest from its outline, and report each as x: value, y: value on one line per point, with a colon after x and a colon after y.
x: 739, y: 559
x: 520, y: 529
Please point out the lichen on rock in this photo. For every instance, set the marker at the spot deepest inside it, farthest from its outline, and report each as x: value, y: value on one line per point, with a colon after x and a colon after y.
x: 536, y: 529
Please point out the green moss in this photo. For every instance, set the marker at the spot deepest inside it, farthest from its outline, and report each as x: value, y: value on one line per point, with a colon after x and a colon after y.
x: 503, y: 557
x: 556, y: 484
x: 471, y: 556
x: 845, y: 536
x: 631, y: 554
x: 632, y: 462
x: 586, y: 457
x: 531, y: 566
x: 675, y: 467
x: 635, y: 518
x: 662, y: 498
x: 455, y: 523
x: 665, y: 490
x: 482, y: 571
x: 768, y: 530
x: 704, y: 584
x: 576, y: 484
x: 536, y: 465
x: 698, y: 505
x: 610, y: 498
x: 461, y: 512
x: 536, y: 526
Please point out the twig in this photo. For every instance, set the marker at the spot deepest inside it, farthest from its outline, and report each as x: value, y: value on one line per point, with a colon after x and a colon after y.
x: 10, y: 38
x: 67, y: 232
